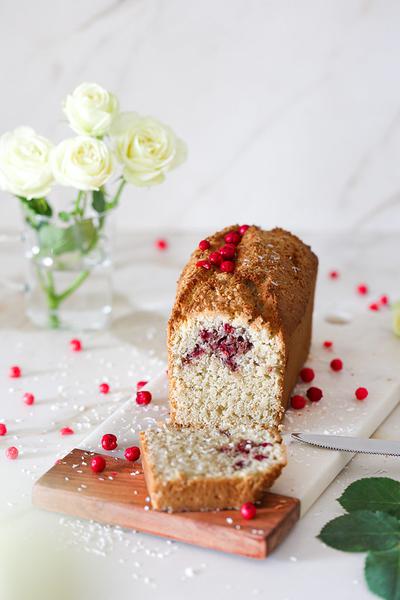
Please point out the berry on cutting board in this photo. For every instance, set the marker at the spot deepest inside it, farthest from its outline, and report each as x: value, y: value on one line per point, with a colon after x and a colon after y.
x: 98, y: 464
x: 248, y: 511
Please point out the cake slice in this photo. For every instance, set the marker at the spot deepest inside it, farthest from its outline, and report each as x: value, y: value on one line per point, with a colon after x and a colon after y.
x: 207, y: 469
x: 240, y: 328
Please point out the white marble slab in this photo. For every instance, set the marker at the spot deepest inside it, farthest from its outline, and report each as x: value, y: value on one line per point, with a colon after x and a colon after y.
x: 310, y: 470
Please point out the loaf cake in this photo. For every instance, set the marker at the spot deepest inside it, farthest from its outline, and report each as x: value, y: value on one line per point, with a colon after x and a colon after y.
x: 240, y: 329
x: 208, y: 469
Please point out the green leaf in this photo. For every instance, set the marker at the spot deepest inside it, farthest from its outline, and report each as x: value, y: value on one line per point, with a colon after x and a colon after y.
x: 35, y: 209
x: 98, y: 201
x: 361, y: 531
x: 372, y: 493
x: 81, y: 236
x: 64, y: 216
x: 382, y: 573
x: 39, y: 206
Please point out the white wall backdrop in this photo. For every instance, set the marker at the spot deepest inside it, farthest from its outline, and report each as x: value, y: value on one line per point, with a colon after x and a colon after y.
x: 290, y: 109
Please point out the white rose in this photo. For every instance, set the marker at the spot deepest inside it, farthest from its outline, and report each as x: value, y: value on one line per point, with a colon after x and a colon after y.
x: 146, y: 148
x: 24, y: 163
x: 82, y: 162
x: 90, y: 109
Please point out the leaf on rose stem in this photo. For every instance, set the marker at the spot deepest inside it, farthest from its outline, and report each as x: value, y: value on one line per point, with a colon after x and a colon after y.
x: 39, y: 206
x: 382, y: 573
x: 34, y: 209
x: 81, y: 237
x: 361, y: 531
x: 64, y: 216
x: 372, y: 493
x: 98, y: 200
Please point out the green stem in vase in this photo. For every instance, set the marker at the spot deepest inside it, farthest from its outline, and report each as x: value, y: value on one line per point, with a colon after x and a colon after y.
x: 54, y: 319
x: 53, y: 299
x: 52, y: 302
x: 115, y: 200
x: 74, y: 286
x: 78, y: 210
x: 84, y: 203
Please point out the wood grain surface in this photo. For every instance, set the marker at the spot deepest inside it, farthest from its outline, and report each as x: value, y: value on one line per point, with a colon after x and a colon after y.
x: 119, y: 496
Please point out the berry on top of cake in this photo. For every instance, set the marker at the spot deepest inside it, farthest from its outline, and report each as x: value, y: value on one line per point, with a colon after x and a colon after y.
x: 239, y: 334
x: 208, y: 469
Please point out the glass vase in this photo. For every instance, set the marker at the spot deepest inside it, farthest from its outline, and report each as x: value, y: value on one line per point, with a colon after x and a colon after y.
x: 69, y: 272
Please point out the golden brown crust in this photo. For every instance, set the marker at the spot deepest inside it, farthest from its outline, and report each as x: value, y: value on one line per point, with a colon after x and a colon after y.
x: 297, y: 349
x: 148, y: 467
x: 272, y: 286
x: 273, y: 279
x: 202, y: 493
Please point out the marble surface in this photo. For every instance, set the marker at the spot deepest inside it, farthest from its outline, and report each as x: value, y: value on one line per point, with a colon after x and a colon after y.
x: 69, y: 558
x: 291, y: 110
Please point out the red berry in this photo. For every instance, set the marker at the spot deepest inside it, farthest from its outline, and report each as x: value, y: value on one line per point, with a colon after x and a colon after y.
x: 67, y: 431
x: 374, y: 306
x: 215, y: 258
x: 336, y: 364
x: 233, y: 237
x: 29, y: 398
x: 104, y: 388
x: 227, y: 251
x: 98, y: 464
x: 307, y: 374
x: 248, y: 511
x: 76, y: 345
x: 109, y: 441
x: 161, y: 244
x: 361, y: 393
x: 205, y: 264
x: 328, y: 344
x: 3, y: 429
x: 362, y: 289
x: 141, y: 384
x: 12, y: 453
x: 384, y: 300
x: 243, y: 229
x: 227, y: 266
x: 314, y: 394
x: 204, y: 245
x: 14, y: 372
x: 298, y: 401
x: 143, y: 398
x: 132, y: 453
x: 333, y: 274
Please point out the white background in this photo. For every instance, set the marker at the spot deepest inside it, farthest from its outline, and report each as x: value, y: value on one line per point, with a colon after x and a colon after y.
x: 291, y: 110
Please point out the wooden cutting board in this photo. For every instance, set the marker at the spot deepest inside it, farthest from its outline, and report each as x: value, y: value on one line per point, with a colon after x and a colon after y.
x: 119, y: 496
x: 370, y: 354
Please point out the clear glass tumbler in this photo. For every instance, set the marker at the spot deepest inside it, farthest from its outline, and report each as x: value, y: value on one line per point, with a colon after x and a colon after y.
x: 69, y: 272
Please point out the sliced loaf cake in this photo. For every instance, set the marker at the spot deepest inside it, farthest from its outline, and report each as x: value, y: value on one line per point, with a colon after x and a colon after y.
x: 240, y: 328
x: 208, y: 469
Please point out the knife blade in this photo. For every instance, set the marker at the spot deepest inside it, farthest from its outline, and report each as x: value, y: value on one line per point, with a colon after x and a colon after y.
x: 349, y: 444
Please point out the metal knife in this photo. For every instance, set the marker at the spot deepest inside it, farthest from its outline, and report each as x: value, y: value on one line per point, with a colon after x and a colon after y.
x: 349, y: 444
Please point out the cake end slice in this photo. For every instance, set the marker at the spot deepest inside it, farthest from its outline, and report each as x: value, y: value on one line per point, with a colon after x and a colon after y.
x: 205, y: 469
